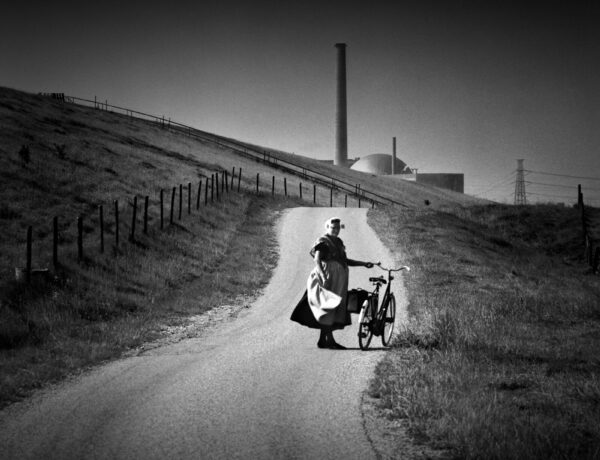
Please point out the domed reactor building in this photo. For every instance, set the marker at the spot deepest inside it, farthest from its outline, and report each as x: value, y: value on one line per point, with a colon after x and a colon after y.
x: 380, y: 164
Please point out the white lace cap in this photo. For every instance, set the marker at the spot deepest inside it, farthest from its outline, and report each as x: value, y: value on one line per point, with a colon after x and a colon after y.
x: 331, y: 220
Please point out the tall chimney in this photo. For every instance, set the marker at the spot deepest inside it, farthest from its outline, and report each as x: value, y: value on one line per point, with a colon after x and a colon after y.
x: 341, y: 128
x: 394, y: 157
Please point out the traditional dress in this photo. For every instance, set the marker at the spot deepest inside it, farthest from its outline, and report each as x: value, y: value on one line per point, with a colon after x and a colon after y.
x: 324, y: 304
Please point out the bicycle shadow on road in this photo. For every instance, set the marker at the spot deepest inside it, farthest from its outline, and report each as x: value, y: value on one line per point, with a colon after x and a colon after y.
x: 368, y: 349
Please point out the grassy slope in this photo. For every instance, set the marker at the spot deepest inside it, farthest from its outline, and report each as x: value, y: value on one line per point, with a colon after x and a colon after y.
x: 80, y: 158
x: 500, y: 359
x: 109, y: 156
x: 221, y: 254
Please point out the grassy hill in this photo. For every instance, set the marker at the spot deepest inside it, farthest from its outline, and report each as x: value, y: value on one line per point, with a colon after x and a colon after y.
x: 80, y: 157
x: 499, y: 359
x: 64, y: 160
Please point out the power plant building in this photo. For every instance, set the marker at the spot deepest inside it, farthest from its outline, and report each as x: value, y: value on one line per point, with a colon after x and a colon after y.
x: 380, y: 164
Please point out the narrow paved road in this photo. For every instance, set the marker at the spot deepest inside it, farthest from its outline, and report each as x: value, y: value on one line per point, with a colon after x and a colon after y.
x: 254, y: 387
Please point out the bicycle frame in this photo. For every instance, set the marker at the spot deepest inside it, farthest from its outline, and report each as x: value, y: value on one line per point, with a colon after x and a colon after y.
x: 386, y: 294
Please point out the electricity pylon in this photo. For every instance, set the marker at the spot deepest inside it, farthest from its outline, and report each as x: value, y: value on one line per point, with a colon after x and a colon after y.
x: 520, y: 195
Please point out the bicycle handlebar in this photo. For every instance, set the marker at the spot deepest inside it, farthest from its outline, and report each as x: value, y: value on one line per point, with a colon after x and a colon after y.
x: 403, y: 267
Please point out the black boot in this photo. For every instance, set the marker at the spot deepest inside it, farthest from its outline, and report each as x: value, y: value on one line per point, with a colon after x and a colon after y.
x: 323, y: 339
x: 333, y: 344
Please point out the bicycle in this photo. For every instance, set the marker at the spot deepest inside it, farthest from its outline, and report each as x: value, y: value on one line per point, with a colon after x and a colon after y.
x: 378, y: 321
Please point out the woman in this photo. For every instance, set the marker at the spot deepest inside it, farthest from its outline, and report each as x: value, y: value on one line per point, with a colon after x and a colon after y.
x: 323, y: 305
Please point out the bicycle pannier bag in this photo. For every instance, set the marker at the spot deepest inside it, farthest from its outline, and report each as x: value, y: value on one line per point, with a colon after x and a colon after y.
x: 355, y: 299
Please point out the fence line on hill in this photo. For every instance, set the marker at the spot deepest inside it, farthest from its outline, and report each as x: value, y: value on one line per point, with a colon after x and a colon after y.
x: 214, y: 190
x: 590, y: 222
x: 356, y: 190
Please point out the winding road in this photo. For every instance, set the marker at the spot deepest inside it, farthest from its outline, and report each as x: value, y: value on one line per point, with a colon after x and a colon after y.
x: 252, y: 387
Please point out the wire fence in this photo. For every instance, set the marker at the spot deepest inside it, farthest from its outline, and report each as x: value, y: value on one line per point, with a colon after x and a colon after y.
x: 590, y: 216
x: 243, y: 149
x: 123, y: 221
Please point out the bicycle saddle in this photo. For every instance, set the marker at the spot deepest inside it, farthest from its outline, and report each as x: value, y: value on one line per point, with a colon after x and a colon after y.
x: 378, y: 280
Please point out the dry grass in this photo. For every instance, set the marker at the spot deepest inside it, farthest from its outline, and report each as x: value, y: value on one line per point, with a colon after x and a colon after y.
x: 95, y: 311
x: 500, y: 357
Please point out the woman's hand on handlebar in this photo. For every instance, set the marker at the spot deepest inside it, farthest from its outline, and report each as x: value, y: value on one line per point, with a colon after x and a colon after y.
x: 371, y: 264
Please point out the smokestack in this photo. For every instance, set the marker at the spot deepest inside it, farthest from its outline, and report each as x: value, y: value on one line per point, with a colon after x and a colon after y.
x: 394, y: 157
x: 341, y: 128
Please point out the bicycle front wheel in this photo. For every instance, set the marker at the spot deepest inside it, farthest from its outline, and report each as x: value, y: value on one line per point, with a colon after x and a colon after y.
x: 388, y: 320
x: 365, y: 319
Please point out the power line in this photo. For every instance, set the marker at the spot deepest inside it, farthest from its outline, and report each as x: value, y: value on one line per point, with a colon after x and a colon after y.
x: 553, y: 196
x: 497, y: 184
x: 562, y: 175
x: 563, y: 186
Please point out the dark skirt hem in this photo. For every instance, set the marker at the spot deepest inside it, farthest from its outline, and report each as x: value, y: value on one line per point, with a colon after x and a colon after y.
x: 303, y: 315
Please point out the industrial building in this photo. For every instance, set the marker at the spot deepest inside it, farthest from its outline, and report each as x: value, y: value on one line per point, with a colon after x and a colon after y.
x: 380, y: 164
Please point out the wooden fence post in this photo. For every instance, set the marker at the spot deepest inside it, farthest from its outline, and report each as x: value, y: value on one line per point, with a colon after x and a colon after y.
x: 232, y: 178
x: 273, y: 186
x: 239, y: 179
x: 101, y: 218
x: 346, y: 200
x: 314, y: 193
x: 300, y: 189
x: 172, y: 205
x: 133, y: 219
x: 285, y: 186
x: 55, y: 241
x: 217, y: 185
x: 579, y: 197
x: 162, y: 215
x: 586, y: 246
x: 117, y: 223
x: 583, y: 220
x: 28, y: 261
x: 206, y: 192
x: 198, y: 197
x: 146, y: 215
x: 189, y: 198
x: 359, y: 201
x: 257, y: 180
x: 223, y: 182
x: 331, y: 197
x: 80, y: 238
x: 180, y: 199
x: 212, y: 188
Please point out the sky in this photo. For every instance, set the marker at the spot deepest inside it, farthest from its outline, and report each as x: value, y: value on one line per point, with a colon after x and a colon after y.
x: 465, y: 87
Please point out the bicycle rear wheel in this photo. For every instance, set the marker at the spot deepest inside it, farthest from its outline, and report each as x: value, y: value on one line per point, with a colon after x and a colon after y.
x: 388, y: 320
x: 365, y: 319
